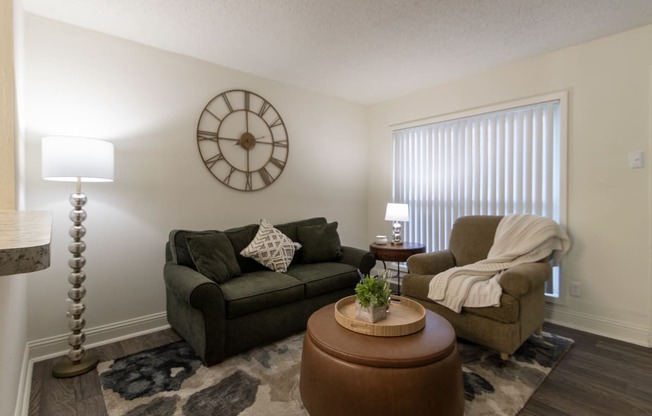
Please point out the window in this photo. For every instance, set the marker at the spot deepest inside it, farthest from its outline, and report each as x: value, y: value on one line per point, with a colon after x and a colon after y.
x: 497, y: 161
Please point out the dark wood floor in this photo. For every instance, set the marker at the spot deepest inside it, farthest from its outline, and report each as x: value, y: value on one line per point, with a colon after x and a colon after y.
x: 598, y: 376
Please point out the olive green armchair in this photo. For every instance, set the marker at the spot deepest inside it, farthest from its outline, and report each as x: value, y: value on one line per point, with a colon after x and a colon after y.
x: 521, y: 310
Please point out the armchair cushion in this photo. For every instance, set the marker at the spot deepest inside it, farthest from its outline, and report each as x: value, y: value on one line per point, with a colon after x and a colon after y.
x: 471, y: 239
x: 213, y: 256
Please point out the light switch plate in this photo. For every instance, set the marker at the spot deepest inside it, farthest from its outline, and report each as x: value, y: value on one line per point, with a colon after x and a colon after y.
x: 636, y: 160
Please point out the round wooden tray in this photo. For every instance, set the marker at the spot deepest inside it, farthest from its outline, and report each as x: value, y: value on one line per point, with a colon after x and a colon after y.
x: 405, y: 317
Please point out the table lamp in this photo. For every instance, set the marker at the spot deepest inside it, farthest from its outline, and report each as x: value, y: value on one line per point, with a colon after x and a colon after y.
x: 396, y: 213
x: 76, y: 159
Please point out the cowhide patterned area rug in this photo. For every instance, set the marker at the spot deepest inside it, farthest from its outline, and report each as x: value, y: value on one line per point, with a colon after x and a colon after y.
x: 170, y: 380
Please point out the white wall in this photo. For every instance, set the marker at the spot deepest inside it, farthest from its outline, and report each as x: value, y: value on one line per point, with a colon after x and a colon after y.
x: 147, y: 102
x: 13, y: 324
x: 608, y: 204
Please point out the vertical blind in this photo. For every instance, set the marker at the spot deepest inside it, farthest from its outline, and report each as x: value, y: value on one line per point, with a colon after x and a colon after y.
x: 494, y: 163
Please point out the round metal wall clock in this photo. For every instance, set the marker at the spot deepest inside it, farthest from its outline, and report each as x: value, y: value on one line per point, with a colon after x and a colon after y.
x: 242, y: 140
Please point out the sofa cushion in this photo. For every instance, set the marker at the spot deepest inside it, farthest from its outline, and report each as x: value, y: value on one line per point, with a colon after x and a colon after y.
x: 271, y: 248
x: 213, y: 256
x: 179, y: 246
x: 320, y: 278
x: 240, y: 238
x: 290, y: 228
x: 258, y: 291
x: 319, y: 243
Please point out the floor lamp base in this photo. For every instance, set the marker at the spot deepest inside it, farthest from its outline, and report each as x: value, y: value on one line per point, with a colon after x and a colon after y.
x: 66, y: 368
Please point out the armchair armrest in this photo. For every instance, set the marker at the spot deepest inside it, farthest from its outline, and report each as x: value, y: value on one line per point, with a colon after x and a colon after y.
x: 359, y: 258
x: 518, y: 280
x: 431, y: 263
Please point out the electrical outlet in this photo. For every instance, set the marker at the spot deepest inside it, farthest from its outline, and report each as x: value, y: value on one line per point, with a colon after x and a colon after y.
x: 575, y: 289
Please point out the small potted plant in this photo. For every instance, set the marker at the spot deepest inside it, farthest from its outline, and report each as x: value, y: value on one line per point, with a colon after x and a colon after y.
x: 372, y: 296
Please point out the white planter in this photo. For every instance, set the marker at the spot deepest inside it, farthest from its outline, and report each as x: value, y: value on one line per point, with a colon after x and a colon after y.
x: 370, y: 313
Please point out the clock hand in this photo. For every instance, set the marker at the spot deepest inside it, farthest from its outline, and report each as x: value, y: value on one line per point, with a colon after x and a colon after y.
x: 247, y: 160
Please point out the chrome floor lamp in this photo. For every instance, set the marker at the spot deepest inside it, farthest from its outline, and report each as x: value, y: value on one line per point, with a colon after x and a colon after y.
x: 76, y: 159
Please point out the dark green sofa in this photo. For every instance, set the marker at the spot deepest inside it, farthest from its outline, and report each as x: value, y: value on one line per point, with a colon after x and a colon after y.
x: 259, y: 306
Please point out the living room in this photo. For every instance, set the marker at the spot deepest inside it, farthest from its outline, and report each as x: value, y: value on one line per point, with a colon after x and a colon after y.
x: 76, y: 81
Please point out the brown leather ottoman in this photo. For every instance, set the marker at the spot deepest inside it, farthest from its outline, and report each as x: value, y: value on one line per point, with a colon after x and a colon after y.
x: 347, y: 373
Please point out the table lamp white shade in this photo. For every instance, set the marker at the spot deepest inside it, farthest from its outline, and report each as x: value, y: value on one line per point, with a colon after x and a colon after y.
x: 397, y: 212
x: 72, y: 159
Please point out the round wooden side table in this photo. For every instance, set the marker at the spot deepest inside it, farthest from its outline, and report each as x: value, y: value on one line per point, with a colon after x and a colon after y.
x: 396, y: 252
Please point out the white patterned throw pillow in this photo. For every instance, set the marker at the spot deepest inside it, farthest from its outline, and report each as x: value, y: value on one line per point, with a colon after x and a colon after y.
x: 271, y: 248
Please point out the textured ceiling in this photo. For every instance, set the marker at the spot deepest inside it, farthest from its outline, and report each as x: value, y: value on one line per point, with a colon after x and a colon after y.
x: 364, y: 51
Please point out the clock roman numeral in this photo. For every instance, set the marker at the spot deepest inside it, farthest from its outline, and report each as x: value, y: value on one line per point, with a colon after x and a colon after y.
x: 228, y: 103
x: 248, y: 184
x: 281, y: 143
x: 228, y: 177
x: 277, y: 162
x: 246, y: 100
x: 210, y: 162
x: 265, y: 176
x: 206, y: 135
x: 263, y: 108
x: 277, y: 122
x: 206, y: 110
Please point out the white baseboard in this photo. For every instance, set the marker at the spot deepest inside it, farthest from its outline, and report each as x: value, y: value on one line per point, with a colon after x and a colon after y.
x: 22, y: 399
x: 620, y: 330
x: 46, y: 348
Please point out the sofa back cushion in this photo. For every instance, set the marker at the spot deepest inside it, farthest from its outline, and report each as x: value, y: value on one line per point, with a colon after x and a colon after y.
x: 240, y: 237
x: 179, y: 246
x: 472, y: 238
x: 320, y: 243
x: 213, y: 256
x: 291, y: 230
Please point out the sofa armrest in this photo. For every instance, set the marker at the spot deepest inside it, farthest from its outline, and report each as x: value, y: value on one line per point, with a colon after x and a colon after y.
x: 518, y: 280
x: 192, y: 287
x: 359, y: 258
x: 431, y: 263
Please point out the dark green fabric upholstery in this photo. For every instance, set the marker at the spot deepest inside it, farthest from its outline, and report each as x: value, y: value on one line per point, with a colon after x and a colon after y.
x: 240, y: 238
x: 290, y: 229
x: 257, y: 291
x: 319, y: 243
x: 222, y: 319
x: 320, y: 278
x: 179, y: 246
x: 213, y: 256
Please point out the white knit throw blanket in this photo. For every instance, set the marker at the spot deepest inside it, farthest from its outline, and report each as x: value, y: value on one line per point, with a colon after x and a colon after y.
x: 519, y: 239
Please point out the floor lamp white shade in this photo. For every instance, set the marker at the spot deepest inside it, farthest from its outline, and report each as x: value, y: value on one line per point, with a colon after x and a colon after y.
x: 70, y: 159
x: 76, y: 159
